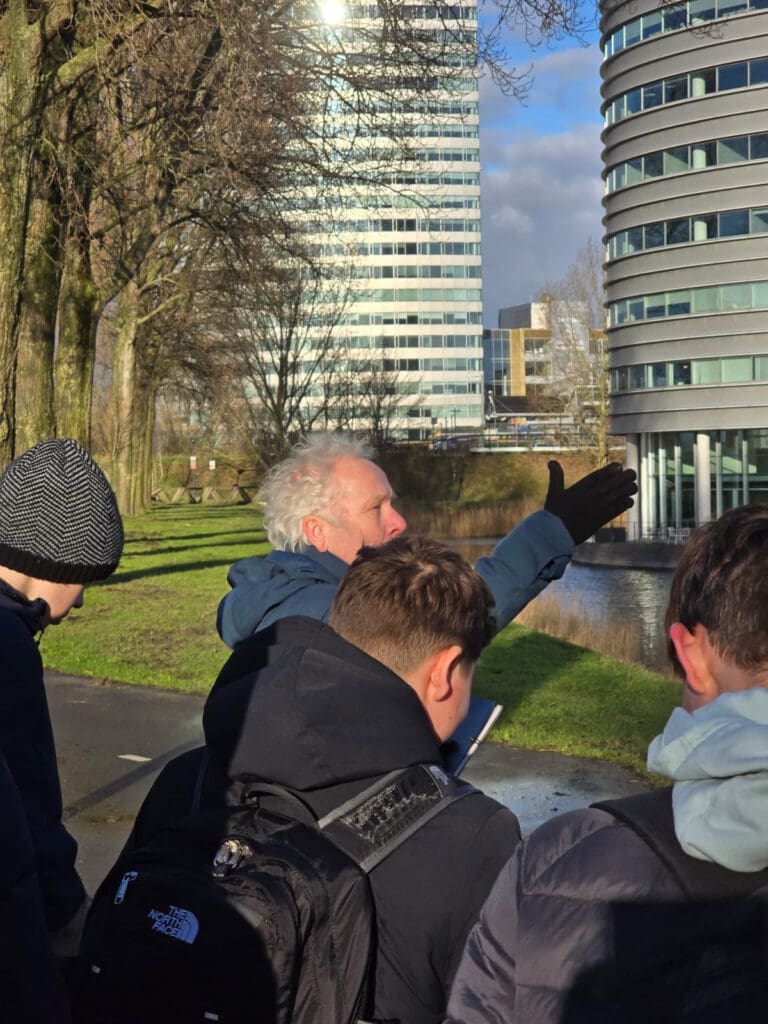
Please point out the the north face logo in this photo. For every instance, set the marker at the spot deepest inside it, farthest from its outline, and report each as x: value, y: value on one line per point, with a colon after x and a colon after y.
x: 176, y: 923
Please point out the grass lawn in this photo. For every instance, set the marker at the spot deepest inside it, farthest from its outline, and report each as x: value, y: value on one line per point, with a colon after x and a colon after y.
x: 557, y: 696
x: 153, y: 623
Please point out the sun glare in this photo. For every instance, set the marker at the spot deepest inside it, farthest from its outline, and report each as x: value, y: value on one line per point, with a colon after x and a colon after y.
x: 332, y: 11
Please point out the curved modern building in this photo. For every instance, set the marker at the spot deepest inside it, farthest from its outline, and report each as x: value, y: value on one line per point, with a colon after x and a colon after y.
x: 685, y: 102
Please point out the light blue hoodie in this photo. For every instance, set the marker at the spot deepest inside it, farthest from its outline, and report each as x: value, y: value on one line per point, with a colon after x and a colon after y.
x: 718, y: 759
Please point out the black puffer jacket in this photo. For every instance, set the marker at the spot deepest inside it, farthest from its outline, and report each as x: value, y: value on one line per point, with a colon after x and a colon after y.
x: 587, y: 925
x: 26, y: 740
x: 326, y: 720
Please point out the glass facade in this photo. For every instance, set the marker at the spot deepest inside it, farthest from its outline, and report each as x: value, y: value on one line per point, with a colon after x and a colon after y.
x: 413, y: 244
x: 723, y: 298
x: 736, y: 471
x: 682, y: 159
x: 701, y: 372
x: 681, y: 230
x: 676, y: 16
x: 742, y: 75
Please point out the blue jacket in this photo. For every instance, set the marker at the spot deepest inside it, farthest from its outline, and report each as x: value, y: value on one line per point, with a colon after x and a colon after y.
x: 26, y: 741
x: 304, y: 582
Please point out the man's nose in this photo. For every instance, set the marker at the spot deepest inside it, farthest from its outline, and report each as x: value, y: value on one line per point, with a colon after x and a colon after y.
x: 396, y: 525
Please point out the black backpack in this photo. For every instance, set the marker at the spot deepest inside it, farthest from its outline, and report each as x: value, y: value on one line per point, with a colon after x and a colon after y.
x: 255, y: 913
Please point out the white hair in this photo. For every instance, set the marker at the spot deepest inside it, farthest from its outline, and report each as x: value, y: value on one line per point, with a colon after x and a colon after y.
x: 302, y: 484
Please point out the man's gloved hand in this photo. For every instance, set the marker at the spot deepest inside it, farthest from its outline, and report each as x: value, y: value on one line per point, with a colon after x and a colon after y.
x: 592, y: 501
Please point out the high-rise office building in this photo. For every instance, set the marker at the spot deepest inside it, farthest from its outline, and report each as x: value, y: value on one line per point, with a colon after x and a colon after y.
x: 685, y: 89
x: 413, y: 320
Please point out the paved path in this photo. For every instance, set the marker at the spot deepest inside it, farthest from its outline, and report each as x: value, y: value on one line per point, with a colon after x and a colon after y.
x: 112, y: 740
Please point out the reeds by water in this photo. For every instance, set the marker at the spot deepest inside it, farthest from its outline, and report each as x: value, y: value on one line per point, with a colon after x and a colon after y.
x: 615, y: 637
x: 456, y: 522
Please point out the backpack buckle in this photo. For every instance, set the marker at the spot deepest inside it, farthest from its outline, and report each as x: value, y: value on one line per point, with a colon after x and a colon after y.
x: 229, y: 856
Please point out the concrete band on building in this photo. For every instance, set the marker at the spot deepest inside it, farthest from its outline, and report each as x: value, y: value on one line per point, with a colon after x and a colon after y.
x: 685, y: 100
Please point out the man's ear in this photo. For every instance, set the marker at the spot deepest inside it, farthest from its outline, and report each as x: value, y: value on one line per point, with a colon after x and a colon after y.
x: 313, y: 529
x: 693, y: 649
x: 442, y: 665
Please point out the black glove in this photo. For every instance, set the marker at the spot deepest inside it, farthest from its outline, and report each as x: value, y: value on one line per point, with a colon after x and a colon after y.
x: 592, y: 501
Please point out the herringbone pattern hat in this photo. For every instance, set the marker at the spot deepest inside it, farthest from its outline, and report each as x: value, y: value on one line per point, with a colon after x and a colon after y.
x: 59, y: 519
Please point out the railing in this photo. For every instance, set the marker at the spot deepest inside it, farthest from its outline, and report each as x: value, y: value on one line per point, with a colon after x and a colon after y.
x: 658, y: 534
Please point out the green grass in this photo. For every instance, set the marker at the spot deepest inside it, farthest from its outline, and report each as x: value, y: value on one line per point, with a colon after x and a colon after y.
x: 153, y: 623
x: 558, y: 696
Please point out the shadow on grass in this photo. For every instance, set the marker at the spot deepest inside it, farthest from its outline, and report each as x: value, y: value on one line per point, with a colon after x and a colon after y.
x: 168, y: 570
x: 562, y: 697
x: 513, y: 669
x: 154, y: 538
x: 259, y: 548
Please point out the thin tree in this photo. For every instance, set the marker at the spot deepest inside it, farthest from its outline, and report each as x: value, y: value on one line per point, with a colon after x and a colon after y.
x: 580, y: 378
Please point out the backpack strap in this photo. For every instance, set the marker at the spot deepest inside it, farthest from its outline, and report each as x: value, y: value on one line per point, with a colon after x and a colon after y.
x: 650, y: 816
x: 197, y: 793
x: 372, y: 825
x: 286, y: 802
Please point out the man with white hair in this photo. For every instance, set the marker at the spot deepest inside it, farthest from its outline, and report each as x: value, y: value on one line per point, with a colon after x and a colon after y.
x: 328, y: 499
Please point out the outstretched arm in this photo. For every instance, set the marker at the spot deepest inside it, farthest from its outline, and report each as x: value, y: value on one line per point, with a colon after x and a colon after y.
x: 537, y: 551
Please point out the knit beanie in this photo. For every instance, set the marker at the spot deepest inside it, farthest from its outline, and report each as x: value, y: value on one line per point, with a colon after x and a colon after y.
x: 59, y: 519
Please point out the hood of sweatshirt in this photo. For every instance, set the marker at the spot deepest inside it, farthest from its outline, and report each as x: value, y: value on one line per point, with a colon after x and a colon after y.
x: 303, y: 708
x: 717, y: 757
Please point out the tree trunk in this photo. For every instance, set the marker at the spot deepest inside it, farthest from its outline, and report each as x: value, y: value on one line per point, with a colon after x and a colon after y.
x: 19, y: 121
x: 34, y: 413
x: 133, y: 402
x: 76, y: 351
x: 123, y: 393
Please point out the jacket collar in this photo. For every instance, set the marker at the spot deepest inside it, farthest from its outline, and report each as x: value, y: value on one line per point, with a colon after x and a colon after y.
x: 31, y: 613
x: 309, y: 561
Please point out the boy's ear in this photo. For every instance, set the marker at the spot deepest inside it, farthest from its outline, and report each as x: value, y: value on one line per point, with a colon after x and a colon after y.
x: 313, y: 529
x: 693, y: 652
x: 441, y: 669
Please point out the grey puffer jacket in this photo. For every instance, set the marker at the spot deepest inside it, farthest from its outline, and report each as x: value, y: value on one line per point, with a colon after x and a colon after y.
x: 587, y: 923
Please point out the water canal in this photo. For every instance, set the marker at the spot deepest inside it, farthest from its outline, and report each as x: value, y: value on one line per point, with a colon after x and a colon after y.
x: 606, y: 596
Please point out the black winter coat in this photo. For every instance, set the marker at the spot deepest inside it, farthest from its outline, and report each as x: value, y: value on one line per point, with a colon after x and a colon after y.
x: 26, y: 740
x: 30, y: 990
x: 587, y: 925
x: 326, y: 720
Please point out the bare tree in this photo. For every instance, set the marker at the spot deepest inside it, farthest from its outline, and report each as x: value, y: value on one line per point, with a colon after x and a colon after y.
x: 283, y: 347
x: 368, y: 394
x: 125, y: 125
x: 580, y: 378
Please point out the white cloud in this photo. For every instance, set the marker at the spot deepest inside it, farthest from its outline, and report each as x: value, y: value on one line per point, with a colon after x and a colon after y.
x: 541, y: 184
x: 511, y: 219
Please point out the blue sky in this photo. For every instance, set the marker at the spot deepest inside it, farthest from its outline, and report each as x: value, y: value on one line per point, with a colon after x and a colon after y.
x: 540, y: 180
